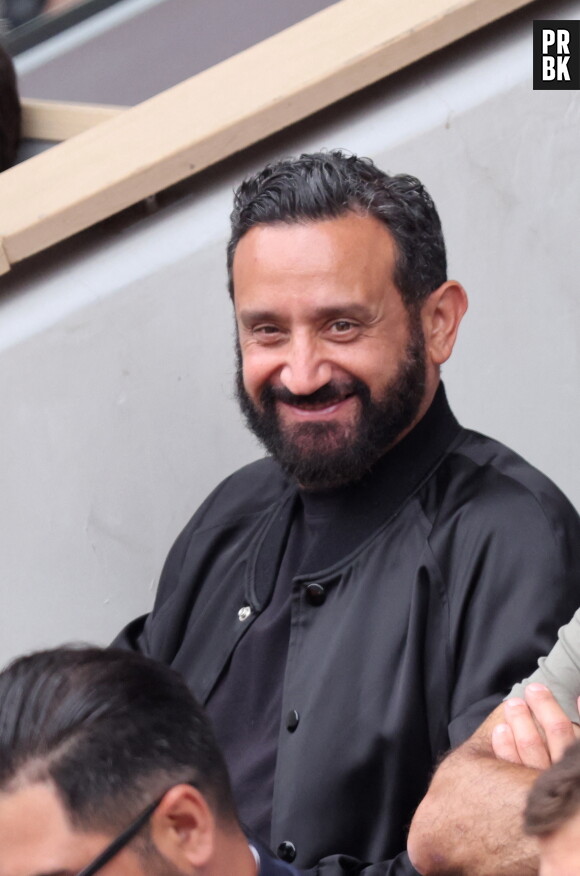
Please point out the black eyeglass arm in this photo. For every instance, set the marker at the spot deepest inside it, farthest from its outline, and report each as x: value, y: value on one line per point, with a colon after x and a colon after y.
x: 122, y: 840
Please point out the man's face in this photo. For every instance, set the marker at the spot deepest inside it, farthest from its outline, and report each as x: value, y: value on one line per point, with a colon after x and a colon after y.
x: 560, y: 851
x: 332, y: 363
x: 37, y: 839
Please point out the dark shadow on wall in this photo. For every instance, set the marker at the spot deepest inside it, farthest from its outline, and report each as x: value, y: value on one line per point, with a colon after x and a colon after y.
x: 10, y: 112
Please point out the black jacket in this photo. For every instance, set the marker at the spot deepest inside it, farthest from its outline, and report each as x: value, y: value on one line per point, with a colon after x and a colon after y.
x: 466, y: 562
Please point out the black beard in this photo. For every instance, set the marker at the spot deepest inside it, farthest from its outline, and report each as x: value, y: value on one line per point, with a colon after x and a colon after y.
x: 325, y: 455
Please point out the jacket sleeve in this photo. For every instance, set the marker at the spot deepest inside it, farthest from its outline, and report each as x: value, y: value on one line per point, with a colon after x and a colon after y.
x: 514, y: 578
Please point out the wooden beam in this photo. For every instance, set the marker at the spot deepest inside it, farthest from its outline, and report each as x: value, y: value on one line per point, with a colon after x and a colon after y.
x: 222, y: 110
x: 54, y: 120
x: 4, y: 263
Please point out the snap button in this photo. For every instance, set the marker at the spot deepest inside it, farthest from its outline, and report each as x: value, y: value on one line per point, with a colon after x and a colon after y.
x: 244, y: 612
x: 287, y: 851
x: 315, y: 594
x: 292, y: 720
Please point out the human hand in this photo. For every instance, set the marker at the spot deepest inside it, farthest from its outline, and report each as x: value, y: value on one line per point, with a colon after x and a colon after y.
x: 537, y: 731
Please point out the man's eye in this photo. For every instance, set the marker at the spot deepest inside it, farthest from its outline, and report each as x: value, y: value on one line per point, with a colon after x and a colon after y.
x: 266, y: 332
x: 341, y: 326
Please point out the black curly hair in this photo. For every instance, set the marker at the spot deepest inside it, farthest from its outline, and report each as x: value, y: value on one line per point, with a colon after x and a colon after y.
x: 325, y: 185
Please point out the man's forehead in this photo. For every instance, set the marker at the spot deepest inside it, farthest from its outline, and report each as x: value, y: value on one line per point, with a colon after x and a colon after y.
x: 348, y: 251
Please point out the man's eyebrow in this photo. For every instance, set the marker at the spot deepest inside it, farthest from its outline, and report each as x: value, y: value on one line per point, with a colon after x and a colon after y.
x: 332, y: 311
x: 250, y: 317
x: 338, y: 311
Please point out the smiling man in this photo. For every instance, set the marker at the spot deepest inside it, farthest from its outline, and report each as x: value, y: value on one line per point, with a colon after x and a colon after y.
x: 350, y: 606
x: 108, y: 765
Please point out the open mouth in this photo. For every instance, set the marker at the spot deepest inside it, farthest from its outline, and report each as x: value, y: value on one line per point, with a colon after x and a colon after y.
x: 317, y: 409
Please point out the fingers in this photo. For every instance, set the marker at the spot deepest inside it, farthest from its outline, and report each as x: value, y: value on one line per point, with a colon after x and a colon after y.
x: 540, y: 731
x: 555, y: 724
x: 530, y: 746
x: 504, y: 744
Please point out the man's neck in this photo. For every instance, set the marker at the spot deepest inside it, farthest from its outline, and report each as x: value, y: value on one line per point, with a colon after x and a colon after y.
x: 430, y: 392
x: 233, y: 856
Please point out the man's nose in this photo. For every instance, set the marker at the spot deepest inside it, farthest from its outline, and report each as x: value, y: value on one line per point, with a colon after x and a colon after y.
x: 305, y: 369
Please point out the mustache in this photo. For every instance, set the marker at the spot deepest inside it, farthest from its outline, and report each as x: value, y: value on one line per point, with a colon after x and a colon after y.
x: 330, y: 393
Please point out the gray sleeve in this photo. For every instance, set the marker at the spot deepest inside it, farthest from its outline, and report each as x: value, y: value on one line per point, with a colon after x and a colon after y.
x: 560, y: 670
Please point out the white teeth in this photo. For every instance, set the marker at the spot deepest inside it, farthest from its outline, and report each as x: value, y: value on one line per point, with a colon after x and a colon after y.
x: 321, y: 406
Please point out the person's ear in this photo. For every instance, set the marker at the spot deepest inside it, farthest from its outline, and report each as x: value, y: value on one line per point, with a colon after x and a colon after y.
x: 183, y: 829
x: 441, y: 314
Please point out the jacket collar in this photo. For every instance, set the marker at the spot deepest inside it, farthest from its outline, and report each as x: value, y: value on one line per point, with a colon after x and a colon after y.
x: 355, y: 511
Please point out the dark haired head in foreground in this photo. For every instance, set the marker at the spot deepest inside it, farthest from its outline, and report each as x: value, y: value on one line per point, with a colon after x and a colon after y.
x: 10, y: 112
x: 552, y: 815
x: 97, y: 744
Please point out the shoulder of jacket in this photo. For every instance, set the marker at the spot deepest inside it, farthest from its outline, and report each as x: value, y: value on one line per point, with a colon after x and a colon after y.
x: 249, y: 490
x: 499, y: 472
x: 489, y: 453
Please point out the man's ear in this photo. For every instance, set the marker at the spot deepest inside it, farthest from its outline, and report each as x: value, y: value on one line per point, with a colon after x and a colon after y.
x: 440, y: 316
x: 183, y: 829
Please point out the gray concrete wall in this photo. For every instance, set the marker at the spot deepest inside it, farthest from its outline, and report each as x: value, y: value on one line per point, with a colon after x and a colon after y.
x: 116, y: 349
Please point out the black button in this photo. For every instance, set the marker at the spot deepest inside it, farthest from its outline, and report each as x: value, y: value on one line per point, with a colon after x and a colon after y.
x: 315, y: 594
x: 287, y: 851
x: 292, y: 720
